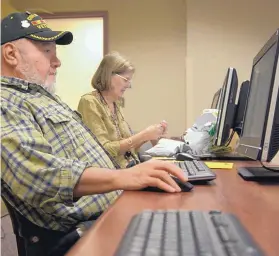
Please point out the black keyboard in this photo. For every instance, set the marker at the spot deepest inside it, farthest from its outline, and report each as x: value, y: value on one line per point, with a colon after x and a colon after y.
x: 196, y: 170
x: 186, y: 233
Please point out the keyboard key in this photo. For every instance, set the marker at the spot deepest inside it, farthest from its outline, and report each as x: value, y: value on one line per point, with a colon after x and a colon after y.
x: 186, y: 234
x: 231, y: 250
x: 201, y: 233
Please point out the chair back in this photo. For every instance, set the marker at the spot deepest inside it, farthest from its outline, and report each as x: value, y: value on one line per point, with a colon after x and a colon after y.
x: 43, y: 242
x: 17, y: 228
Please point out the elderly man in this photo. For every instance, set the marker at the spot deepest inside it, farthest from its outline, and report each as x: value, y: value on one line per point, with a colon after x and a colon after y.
x: 54, y: 171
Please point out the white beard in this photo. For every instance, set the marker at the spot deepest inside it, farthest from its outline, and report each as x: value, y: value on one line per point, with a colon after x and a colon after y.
x: 32, y: 76
x: 50, y: 87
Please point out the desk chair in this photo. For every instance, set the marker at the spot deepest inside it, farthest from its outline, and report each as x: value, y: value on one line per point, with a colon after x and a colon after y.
x: 42, y: 240
x: 142, y: 149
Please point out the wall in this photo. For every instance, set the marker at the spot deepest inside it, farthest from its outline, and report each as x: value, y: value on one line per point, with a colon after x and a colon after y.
x: 6, y: 8
x: 222, y: 34
x: 152, y: 34
x: 155, y: 35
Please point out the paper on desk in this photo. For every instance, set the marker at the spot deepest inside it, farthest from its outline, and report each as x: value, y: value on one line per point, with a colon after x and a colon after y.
x: 218, y: 165
x: 163, y: 158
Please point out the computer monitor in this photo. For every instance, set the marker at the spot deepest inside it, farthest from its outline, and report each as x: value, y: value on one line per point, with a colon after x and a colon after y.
x: 240, y: 107
x: 260, y: 134
x: 225, y: 118
x: 216, y: 99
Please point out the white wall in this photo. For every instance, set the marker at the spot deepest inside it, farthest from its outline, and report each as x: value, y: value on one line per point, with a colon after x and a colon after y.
x: 222, y: 34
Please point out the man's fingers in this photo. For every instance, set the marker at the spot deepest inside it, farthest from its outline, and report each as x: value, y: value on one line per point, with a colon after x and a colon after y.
x: 170, y: 168
x: 156, y: 182
x: 164, y: 176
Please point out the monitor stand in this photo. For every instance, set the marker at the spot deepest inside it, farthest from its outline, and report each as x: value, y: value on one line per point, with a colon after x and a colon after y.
x: 258, y: 174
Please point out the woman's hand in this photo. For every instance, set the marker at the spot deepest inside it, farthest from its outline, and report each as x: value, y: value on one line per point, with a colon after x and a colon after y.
x: 154, y: 132
x: 164, y: 124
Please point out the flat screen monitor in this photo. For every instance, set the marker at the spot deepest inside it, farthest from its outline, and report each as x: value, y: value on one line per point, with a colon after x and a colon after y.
x: 240, y: 107
x: 216, y: 99
x: 225, y: 118
x: 260, y: 134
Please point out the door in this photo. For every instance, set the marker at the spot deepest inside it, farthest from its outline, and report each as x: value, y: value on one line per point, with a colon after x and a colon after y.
x: 80, y: 59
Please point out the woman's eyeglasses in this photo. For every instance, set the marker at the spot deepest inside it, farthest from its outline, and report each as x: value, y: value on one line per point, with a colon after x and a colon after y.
x: 126, y: 79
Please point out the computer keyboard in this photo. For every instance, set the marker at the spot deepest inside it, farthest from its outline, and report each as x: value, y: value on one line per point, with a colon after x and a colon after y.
x: 196, y: 170
x: 186, y: 233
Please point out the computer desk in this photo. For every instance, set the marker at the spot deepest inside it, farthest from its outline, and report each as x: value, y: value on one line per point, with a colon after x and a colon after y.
x: 257, y: 207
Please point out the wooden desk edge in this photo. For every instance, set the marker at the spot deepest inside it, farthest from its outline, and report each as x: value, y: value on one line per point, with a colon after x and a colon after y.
x: 78, y: 247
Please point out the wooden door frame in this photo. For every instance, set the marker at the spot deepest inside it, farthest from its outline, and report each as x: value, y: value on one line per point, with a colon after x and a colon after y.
x: 91, y: 14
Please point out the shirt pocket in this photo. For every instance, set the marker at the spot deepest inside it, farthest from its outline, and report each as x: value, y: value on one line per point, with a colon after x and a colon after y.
x: 64, y: 132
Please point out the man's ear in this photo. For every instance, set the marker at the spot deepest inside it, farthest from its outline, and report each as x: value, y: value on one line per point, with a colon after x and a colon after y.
x: 10, y: 54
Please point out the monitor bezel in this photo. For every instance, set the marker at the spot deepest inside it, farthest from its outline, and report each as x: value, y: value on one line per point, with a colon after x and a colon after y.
x: 271, y: 115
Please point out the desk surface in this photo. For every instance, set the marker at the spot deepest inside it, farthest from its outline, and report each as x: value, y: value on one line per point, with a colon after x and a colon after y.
x: 257, y: 207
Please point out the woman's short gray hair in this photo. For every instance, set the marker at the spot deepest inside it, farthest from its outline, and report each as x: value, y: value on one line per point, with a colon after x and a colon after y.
x: 112, y: 63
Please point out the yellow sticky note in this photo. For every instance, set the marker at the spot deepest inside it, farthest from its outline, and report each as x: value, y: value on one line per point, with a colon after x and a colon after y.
x: 219, y: 165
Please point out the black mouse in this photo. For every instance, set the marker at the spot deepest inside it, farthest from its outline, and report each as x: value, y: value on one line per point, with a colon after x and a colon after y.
x: 184, y: 186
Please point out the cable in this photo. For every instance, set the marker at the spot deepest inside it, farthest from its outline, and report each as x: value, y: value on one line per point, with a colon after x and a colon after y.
x: 230, y: 139
x: 269, y: 168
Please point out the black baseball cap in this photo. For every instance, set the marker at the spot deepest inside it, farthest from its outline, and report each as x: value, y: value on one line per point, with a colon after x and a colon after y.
x: 32, y: 26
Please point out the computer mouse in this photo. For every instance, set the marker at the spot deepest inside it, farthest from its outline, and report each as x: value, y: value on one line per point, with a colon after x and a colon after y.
x: 184, y: 157
x: 144, y: 158
x: 184, y: 186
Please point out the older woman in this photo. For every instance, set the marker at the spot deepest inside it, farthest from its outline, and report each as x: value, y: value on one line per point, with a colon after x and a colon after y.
x: 102, y: 113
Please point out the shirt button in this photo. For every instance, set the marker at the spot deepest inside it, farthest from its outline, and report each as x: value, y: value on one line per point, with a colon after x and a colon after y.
x: 34, y: 239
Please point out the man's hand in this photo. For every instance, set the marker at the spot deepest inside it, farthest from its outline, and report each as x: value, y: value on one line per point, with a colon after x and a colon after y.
x: 152, y: 173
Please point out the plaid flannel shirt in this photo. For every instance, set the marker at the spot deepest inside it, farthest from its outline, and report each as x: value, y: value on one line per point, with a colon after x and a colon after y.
x: 45, y: 149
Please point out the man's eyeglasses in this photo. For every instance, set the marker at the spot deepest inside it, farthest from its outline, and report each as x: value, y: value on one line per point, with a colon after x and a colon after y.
x: 126, y: 79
